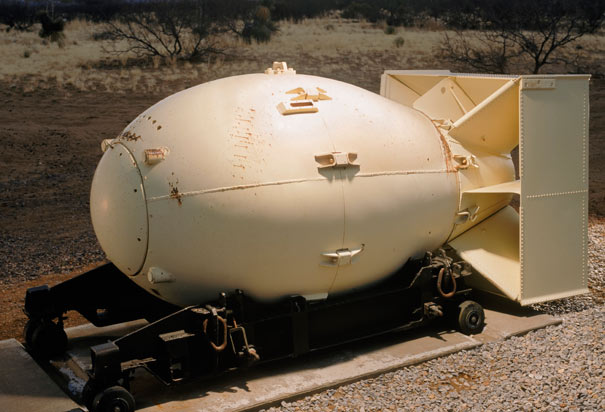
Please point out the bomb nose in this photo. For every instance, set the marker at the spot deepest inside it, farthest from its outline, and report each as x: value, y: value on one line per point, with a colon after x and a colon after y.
x: 118, y: 209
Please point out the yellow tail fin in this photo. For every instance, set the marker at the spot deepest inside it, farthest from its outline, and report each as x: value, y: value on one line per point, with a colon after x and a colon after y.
x: 539, y: 254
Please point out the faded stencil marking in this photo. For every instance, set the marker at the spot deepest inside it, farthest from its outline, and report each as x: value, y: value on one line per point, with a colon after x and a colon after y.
x: 246, y: 159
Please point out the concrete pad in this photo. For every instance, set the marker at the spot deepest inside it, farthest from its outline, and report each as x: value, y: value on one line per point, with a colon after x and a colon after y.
x: 25, y: 386
x: 513, y: 322
x: 270, y: 384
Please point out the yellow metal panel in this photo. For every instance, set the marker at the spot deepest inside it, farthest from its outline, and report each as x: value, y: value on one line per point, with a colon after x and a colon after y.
x: 420, y: 85
x: 480, y: 88
x: 480, y: 206
x: 477, y: 87
x: 398, y: 91
x: 445, y: 100
x: 508, y: 187
x: 553, y: 247
x: 420, y: 82
x: 554, y: 157
x: 492, y: 125
x: 492, y: 248
x: 554, y: 188
x: 487, y: 171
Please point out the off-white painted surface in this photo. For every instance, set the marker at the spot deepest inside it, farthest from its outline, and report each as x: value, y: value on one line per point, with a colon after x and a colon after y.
x: 554, y: 189
x: 242, y: 199
x: 270, y: 182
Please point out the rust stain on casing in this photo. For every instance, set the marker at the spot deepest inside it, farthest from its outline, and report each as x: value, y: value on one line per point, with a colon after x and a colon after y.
x: 174, y: 192
x: 448, y: 157
x: 129, y: 136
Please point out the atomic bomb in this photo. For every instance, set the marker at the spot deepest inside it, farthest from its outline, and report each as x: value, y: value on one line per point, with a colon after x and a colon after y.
x: 265, y: 216
x: 285, y: 184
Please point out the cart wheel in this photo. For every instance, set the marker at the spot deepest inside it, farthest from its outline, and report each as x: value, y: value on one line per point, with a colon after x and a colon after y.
x: 28, y: 330
x: 471, y: 318
x: 113, y: 399
x: 45, y: 339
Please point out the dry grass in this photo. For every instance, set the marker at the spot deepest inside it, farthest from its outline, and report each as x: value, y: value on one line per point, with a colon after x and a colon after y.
x: 329, y: 47
x: 357, y: 52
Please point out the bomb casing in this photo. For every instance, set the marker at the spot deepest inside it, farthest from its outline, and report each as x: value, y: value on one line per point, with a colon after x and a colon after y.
x: 284, y: 184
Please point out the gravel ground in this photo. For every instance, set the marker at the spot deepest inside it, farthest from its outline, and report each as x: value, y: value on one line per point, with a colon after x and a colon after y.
x: 558, y: 368
x: 27, y: 256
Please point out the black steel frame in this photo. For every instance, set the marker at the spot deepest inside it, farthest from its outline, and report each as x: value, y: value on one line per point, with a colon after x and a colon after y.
x: 235, y: 330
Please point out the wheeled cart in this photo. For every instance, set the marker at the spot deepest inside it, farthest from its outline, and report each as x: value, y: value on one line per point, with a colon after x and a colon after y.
x: 235, y: 330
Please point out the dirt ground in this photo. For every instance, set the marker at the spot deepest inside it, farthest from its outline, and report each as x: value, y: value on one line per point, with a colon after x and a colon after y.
x: 50, y: 143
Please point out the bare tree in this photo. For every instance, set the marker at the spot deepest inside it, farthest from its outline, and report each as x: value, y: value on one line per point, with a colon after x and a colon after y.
x: 182, y: 28
x: 533, y: 30
x: 165, y: 28
x: 483, y: 51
